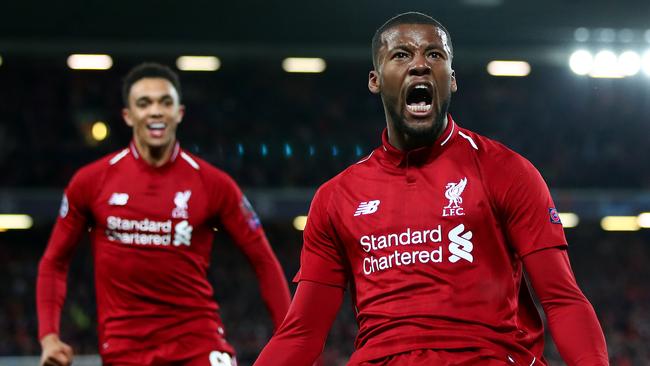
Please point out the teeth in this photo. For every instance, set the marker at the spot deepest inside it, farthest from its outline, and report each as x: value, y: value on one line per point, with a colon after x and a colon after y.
x: 418, y: 108
x: 156, y: 126
x: 420, y: 86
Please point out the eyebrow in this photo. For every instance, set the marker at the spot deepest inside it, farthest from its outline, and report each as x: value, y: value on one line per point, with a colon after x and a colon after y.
x: 147, y: 98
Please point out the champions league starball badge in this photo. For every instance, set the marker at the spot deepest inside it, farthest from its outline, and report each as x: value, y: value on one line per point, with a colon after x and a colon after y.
x: 555, y: 217
x: 250, y: 215
x: 63, y: 210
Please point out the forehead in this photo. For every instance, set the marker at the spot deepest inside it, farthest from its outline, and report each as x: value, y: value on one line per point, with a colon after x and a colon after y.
x: 152, y: 88
x: 417, y: 35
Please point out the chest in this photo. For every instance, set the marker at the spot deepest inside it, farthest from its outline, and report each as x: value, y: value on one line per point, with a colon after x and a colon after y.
x: 150, y: 199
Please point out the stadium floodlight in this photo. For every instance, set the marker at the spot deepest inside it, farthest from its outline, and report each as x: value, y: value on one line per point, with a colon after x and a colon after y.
x: 620, y: 223
x: 629, y: 63
x: 581, y: 62
x: 569, y: 219
x: 198, y: 63
x: 303, y: 65
x: 645, y: 62
x: 508, y: 68
x: 606, y: 66
x: 299, y: 223
x: 90, y: 62
x: 99, y: 131
x: 644, y: 220
x: 15, y: 222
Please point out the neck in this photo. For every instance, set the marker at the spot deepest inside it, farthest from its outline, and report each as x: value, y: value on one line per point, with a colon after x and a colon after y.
x: 405, y: 141
x: 155, y: 156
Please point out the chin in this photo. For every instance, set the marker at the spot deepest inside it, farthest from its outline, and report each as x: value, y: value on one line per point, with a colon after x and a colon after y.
x: 419, y: 128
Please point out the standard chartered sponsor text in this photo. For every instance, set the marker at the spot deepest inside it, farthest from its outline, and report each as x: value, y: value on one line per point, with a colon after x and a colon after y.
x: 371, y: 243
x: 149, y: 232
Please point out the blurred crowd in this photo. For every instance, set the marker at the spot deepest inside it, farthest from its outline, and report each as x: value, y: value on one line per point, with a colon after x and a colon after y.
x: 611, y: 269
x: 272, y: 129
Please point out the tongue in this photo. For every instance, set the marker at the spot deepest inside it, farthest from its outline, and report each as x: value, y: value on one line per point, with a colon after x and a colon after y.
x: 156, y: 133
x: 418, y: 103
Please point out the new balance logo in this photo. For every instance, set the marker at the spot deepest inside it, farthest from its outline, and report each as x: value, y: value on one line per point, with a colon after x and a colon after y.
x: 460, y: 247
x: 118, y: 199
x: 366, y: 208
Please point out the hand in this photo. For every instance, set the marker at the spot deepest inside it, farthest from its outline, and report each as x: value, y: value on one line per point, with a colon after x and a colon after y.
x: 55, y: 352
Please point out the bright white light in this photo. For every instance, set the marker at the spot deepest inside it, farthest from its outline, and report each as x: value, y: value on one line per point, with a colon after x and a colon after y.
x: 299, y: 223
x: 581, y: 34
x: 90, y: 62
x: 11, y: 222
x: 508, y: 68
x: 606, y: 65
x: 644, y: 220
x: 629, y: 63
x: 645, y: 63
x: 301, y: 64
x: 198, y: 63
x: 581, y: 62
x: 620, y: 223
x: 569, y: 219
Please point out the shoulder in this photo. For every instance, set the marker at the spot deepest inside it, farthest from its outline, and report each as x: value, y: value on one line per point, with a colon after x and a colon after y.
x: 493, y: 156
x: 352, y: 176
x: 209, y: 174
x: 96, y: 169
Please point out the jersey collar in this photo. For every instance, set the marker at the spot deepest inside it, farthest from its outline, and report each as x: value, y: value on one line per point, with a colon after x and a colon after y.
x: 422, y: 154
x: 172, y: 158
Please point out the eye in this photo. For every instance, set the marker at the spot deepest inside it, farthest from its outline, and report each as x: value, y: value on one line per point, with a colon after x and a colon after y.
x: 400, y: 55
x: 142, y: 103
x: 436, y: 54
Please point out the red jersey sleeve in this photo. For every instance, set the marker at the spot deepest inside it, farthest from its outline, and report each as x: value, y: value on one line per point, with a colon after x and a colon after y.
x: 53, y: 267
x: 571, y: 318
x: 242, y: 224
x: 528, y: 212
x: 302, y: 335
x: 320, y: 260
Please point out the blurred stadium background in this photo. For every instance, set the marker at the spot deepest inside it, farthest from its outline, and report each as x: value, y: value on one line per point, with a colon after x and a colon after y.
x: 582, y: 118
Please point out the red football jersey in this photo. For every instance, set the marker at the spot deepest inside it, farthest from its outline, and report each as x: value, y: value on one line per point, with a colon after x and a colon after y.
x: 430, y: 242
x: 151, y: 232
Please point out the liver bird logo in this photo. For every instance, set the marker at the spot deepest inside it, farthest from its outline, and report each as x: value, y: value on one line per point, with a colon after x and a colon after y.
x: 453, y: 192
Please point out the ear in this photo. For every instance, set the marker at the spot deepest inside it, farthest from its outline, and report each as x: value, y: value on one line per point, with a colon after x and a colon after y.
x: 181, y: 113
x: 454, y: 85
x: 126, y: 115
x: 374, y: 84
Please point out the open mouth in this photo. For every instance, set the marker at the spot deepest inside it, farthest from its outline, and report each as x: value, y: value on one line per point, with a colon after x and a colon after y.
x: 156, y: 126
x: 418, y: 98
x: 156, y: 129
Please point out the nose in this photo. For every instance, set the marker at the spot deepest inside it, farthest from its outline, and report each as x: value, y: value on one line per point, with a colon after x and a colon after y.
x: 419, y: 66
x: 155, y: 110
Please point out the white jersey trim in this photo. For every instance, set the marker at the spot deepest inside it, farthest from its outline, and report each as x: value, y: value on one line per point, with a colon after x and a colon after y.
x: 453, y: 127
x: 189, y: 160
x: 468, y: 139
x: 118, y: 157
x: 366, y: 158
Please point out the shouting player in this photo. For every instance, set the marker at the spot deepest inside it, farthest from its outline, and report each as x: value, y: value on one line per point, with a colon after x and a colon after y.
x: 152, y: 209
x: 432, y: 233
